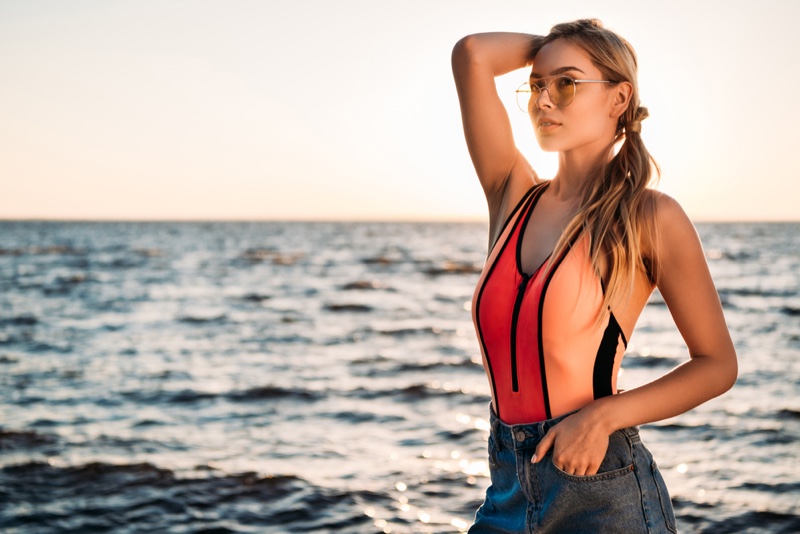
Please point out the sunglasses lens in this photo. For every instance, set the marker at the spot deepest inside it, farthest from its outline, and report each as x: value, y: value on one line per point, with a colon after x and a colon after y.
x: 562, y: 90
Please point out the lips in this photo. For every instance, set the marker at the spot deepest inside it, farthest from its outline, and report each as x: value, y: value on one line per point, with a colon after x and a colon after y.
x: 547, y: 122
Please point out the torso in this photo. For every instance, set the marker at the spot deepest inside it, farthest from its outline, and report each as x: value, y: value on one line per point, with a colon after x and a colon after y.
x: 544, y: 350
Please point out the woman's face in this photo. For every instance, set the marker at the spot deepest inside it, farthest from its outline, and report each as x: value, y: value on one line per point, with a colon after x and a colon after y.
x: 589, y: 118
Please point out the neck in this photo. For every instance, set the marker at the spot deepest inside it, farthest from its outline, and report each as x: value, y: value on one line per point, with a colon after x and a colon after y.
x: 575, y: 168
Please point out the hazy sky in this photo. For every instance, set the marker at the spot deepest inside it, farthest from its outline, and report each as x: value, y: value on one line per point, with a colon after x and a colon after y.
x: 347, y: 109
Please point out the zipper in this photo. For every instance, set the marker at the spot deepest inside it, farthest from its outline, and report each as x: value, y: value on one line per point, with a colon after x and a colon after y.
x: 514, y: 320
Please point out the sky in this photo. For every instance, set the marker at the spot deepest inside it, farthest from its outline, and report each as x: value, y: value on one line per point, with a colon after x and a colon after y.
x: 321, y: 110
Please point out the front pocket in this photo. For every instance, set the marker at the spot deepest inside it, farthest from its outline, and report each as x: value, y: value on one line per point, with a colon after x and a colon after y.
x: 663, y: 496
x: 607, y: 475
x: 617, y: 462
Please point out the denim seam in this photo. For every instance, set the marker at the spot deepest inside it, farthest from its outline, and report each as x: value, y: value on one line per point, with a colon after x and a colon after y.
x: 647, y: 520
x: 671, y: 526
x: 608, y: 475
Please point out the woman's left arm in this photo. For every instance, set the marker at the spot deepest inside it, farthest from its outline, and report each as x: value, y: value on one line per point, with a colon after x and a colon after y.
x: 688, y: 290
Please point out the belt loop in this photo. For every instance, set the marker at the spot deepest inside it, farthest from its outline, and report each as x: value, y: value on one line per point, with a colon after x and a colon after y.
x: 497, y: 433
x: 632, y: 433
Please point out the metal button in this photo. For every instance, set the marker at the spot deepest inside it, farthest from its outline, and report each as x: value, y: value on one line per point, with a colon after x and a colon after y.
x: 520, y: 435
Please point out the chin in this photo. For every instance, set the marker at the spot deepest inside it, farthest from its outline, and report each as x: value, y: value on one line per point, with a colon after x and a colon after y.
x: 548, y: 149
x: 549, y: 144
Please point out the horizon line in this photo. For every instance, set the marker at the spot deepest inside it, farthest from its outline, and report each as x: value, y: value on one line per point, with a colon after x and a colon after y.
x: 462, y: 220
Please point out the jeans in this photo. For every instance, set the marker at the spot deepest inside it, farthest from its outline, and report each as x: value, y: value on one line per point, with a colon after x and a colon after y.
x: 627, y: 495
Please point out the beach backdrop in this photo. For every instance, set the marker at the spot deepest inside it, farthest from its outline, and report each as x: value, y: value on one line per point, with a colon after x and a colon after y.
x: 238, y: 243
x: 325, y: 377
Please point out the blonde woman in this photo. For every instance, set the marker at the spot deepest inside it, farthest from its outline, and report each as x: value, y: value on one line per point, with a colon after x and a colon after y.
x: 572, y: 262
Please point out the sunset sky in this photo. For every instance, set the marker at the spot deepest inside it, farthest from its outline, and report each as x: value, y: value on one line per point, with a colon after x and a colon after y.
x: 347, y: 109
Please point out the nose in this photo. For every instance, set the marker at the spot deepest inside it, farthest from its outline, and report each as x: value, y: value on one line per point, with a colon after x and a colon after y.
x: 547, y: 103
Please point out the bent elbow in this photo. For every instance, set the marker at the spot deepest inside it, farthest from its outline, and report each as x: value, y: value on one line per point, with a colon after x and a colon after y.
x: 464, y: 52
x: 462, y: 46
x: 734, y: 373
x: 729, y: 374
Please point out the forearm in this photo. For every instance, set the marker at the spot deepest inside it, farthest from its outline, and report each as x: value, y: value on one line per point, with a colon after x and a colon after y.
x: 694, y: 382
x: 498, y: 53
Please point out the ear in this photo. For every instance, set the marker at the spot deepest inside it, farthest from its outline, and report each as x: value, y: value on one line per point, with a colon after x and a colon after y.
x: 621, y: 95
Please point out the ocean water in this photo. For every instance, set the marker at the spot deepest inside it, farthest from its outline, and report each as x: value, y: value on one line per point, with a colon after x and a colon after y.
x: 325, y: 377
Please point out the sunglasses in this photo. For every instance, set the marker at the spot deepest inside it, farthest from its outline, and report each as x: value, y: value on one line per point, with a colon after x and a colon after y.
x: 561, y: 90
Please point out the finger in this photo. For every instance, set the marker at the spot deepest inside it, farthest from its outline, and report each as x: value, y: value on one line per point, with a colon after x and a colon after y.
x: 573, y: 469
x: 544, y: 446
x: 579, y: 468
x: 592, y: 469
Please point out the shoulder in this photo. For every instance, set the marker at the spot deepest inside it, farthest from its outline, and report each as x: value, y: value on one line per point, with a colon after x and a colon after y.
x: 666, y: 214
x: 659, y: 206
x: 667, y: 228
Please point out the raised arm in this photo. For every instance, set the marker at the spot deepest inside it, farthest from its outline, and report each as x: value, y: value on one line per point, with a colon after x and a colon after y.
x: 477, y: 60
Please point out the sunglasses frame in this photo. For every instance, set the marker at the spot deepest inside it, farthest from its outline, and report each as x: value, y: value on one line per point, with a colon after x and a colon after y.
x: 525, y: 88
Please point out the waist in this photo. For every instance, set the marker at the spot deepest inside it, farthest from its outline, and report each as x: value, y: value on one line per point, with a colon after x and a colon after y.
x: 528, y: 435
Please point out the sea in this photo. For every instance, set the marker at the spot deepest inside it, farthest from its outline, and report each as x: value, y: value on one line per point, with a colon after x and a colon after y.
x: 282, y: 377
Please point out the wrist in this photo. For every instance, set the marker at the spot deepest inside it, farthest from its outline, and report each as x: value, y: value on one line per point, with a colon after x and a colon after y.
x: 603, y: 414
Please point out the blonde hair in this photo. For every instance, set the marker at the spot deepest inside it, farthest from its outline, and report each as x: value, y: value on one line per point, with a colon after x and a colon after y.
x: 611, y: 209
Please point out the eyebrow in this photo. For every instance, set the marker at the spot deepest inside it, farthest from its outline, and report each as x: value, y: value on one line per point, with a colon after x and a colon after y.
x: 559, y: 70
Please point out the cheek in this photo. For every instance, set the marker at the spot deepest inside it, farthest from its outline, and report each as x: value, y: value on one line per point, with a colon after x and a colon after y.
x: 594, y: 128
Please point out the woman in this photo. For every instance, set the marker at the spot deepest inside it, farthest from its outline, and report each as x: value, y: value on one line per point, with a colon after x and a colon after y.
x: 572, y: 262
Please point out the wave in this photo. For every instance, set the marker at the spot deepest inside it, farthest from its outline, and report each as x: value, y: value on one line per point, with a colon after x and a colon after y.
x: 415, y: 367
x: 761, y: 520
x: 754, y: 292
x: 364, y: 417
x: 410, y: 331
x: 369, y: 360
x: 154, y: 498
x: 48, y: 250
x: 453, y: 267
x: 256, y: 255
x: 465, y: 363
x: 649, y: 361
x: 779, y: 488
x: 358, y: 308
x: 24, y: 439
x: 255, y: 297
x: 409, y: 393
x: 414, y: 393
x: 787, y: 413
x: 365, y: 285
x: 380, y: 260
x: 34, y: 346
x: 190, y: 396
x: 695, y: 516
x: 199, y: 319
x: 19, y: 320
x: 272, y: 393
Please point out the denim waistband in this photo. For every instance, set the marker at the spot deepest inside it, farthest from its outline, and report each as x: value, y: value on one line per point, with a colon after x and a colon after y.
x: 528, y: 435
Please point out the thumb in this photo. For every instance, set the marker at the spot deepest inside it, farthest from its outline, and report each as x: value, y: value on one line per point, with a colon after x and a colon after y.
x: 544, y: 446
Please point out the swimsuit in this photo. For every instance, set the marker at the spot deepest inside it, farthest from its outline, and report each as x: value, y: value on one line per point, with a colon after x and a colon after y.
x: 549, y: 348
x: 544, y: 350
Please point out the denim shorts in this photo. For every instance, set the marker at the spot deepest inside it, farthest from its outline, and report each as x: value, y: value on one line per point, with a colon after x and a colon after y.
x: 627, y: 495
